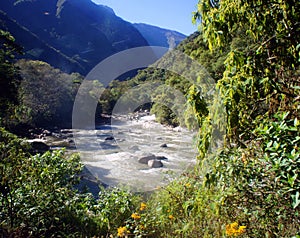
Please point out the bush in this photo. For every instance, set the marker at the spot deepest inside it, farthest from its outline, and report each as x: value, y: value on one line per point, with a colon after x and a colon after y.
x: 185, y: 208
x: 38, y: 198
x: 260, y: 183
x: 248, y: 192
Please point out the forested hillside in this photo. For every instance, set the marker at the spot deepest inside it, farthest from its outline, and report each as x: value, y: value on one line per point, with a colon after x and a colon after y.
x: 193, y: 48
x: 248, y: 186
x: 73, y: 36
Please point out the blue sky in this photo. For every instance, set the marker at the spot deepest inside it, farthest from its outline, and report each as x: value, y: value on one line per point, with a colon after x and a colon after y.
x: 170, y: 14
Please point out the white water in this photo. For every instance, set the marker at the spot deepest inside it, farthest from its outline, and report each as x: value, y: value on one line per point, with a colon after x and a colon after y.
x: 115, y: 162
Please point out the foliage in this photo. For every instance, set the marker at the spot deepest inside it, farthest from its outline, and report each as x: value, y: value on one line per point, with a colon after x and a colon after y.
x: 9, y: 79
x: 38, y: 198
x: 113, y: 208
x: 260, y: 182
x: 36, y: 191
x: 264, y: 77
x: 256, y: 174
x: 26, y: 185
x: 181, y: 210
x: 165, y: 105
x: 47, y: 94
x: 280, y: 138
x: 250, y: 188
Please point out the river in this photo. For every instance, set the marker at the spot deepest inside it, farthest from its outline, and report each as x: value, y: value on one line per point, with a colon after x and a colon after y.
x: 111, y: 152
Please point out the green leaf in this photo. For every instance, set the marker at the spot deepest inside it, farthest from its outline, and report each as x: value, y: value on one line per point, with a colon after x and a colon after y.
x: 296, y: 200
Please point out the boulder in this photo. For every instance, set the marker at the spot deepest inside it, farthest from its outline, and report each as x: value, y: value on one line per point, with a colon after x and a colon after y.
x: 109, y: 138
x: 38, y: 147
x: 146, y: 159
x: 154, y: 163
x: 164, y: 146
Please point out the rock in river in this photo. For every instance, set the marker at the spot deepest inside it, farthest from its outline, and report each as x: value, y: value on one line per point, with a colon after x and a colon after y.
x: 146, y: 159
x: 38, y: 146
x: 154, y: 163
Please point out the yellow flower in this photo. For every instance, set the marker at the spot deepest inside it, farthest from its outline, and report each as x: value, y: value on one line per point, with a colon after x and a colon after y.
x: 234, y: 229
x: 122, y: 231
x: 143, y: 206
x: 242, y: 229
x: 135, y: 216
x: 234, y: 225
x: 188, y: 185
x: 171, y: 217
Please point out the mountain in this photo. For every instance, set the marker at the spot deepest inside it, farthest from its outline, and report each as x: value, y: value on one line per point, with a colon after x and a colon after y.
x: 157, y: 36
x: 73, y: 35
x: 37, y: 49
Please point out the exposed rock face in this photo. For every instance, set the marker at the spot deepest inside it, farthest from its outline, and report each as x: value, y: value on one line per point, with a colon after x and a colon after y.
x: 154, y: 163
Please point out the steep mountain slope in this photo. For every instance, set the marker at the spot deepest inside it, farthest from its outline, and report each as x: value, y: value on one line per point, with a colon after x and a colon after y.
x: 35, y: 48
x: 157, y: 36
x: 79, y: 31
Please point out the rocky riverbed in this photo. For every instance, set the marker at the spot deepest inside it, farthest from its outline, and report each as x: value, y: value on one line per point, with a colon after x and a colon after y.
x: 132, y: 151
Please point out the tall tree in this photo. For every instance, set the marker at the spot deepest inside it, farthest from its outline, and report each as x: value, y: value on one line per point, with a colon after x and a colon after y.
x: 9, y: 79
x: 264, y: 78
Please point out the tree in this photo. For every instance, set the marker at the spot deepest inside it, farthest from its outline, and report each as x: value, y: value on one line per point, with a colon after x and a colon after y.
x: 47, y: 93
x: 263, y: 78
x: 260, y: 87
x: 9, y: 79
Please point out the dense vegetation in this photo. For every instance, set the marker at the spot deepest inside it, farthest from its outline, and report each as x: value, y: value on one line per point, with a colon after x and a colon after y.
x: 46, y: 94
x: 249, y: 187
x: 38, y: 198
x: 193, y: 48
x: 9, y: 78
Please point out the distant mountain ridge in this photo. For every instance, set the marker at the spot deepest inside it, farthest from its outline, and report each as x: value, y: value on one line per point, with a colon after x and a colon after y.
x: 74, y: 35
x: 82, y: 31
x: 157, y: 36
